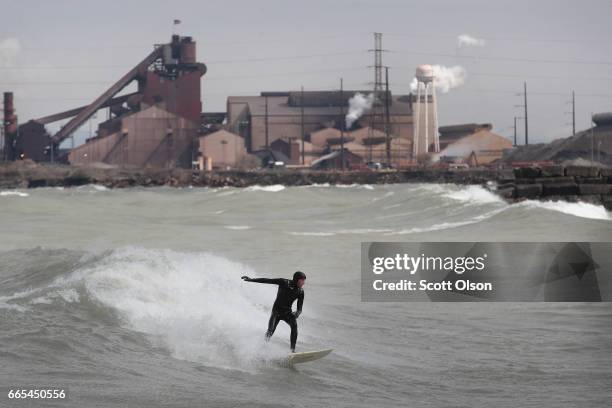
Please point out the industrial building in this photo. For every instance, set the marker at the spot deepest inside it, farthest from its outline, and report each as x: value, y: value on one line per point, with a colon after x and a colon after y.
x: 161, y: 124
x: 155, y: 126
x: 592, y: 145
x: 221, y: 150
x: 472, y: 143
x: 318, y: 117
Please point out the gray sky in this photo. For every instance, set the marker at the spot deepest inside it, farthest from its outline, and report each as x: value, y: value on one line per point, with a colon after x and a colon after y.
x: 68, y: 52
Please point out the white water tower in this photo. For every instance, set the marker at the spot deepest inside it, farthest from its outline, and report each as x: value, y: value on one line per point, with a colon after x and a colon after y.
x: 425, y: 112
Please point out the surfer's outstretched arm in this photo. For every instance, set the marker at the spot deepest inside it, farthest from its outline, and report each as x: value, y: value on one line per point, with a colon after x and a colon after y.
x: 300, y: 302
x: 263, y: 280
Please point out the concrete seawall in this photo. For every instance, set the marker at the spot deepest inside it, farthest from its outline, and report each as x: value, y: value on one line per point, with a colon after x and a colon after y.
x: 589, y: 184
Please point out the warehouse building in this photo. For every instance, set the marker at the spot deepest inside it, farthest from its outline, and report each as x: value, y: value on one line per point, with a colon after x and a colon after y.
x: 472, y: 143
x: 318, y: 117
x: 221, y: 150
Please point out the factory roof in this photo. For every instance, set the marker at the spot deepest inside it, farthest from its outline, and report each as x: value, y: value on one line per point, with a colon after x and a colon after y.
x: 220, y: 133
x: 366, y: 132
x: 320, y: 137
x: 463, y: 129
x: 280, y: 105
x: 325, y: 98
x: 585, y: 145
x: 480, y: 141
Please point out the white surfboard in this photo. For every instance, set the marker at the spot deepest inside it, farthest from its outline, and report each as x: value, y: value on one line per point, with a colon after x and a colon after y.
x: 306, y: 356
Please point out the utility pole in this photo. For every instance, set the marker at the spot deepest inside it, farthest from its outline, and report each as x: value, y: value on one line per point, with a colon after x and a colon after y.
x: 526, y: 115
x: 592, y: 140
x: 573, y: 114
x: 266, y: 127
x: 302, y: 118
x: 388, y: 139
x: 514, y: 131
x: 342, y: 122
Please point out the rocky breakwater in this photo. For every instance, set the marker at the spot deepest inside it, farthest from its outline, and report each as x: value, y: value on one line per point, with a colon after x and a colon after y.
x: 572, y: 183
x: 590, y: 184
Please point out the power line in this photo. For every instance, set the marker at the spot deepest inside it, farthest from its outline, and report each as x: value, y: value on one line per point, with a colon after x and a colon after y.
x: 333, y: 54
x: 276, y: 39
x: 207, y: 78
x: 513, y: 39
x: 203, y: 43
x: 509, y: 59
x: 229, y: 61
x: 573, y: 78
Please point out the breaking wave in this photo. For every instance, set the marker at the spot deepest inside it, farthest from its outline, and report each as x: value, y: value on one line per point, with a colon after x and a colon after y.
x: 582, y: 210
x: 192, y: 304
x: 271, y: 189
x: 13, y: 193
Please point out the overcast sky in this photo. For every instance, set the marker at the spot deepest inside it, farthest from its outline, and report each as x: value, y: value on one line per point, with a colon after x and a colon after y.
x: 56, y: 55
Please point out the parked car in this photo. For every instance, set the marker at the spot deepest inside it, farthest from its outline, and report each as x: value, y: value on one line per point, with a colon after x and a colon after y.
x: 276, y: 164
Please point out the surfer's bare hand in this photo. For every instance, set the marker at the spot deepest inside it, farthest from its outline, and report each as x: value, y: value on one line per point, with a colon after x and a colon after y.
x: 245, y: 278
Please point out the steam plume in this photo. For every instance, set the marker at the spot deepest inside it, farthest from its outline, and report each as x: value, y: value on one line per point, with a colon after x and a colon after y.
x: 446, y: 78
x: 466, y: 40
x: 9, y: 48
x: 358, y: 104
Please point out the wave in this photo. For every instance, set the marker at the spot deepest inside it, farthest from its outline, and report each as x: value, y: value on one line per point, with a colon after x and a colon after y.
x: 13, y: 193
x: 363, y: 186
x: 92, y: 188
x: 237, y: 227
x: 449, y: 225
x: 312, y: 233
x: 580, y: 209
x: 194, y: 304
x: 474, y: 195
x: 271, y: 189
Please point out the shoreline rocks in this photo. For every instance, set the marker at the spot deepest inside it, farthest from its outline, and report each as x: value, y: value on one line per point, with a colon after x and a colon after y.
x: 572, y: 183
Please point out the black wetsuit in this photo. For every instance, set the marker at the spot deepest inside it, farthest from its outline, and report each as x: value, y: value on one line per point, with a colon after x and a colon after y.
x: 287, y: 293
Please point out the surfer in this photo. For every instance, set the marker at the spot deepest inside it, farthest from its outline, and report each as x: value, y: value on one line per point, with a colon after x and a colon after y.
x: 288, y: 292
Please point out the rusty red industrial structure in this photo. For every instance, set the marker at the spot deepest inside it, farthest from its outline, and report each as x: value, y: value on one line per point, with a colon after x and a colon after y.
x: 156, y: 125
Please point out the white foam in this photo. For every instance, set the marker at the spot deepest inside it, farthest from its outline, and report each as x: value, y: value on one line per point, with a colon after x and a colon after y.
x: 192, y: 303
x: 386, y: 195
x: 316, y: 185
x: 582, y: 210
x: 449, y: 225
x: 68, y: 295
x: 354, y: 185
x: 238, y: 227
x: 474, y: 195
x: 226, y: 192
x: 4, y: 302
x: 13, y: 193
x: 271, y: 189
x: 312, y: 234
x: 364, y: 231
x: 92, y: 188
x: 10, y: 306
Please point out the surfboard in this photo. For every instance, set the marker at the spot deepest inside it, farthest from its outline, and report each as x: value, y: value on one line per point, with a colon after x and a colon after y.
x: 306, y: 356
